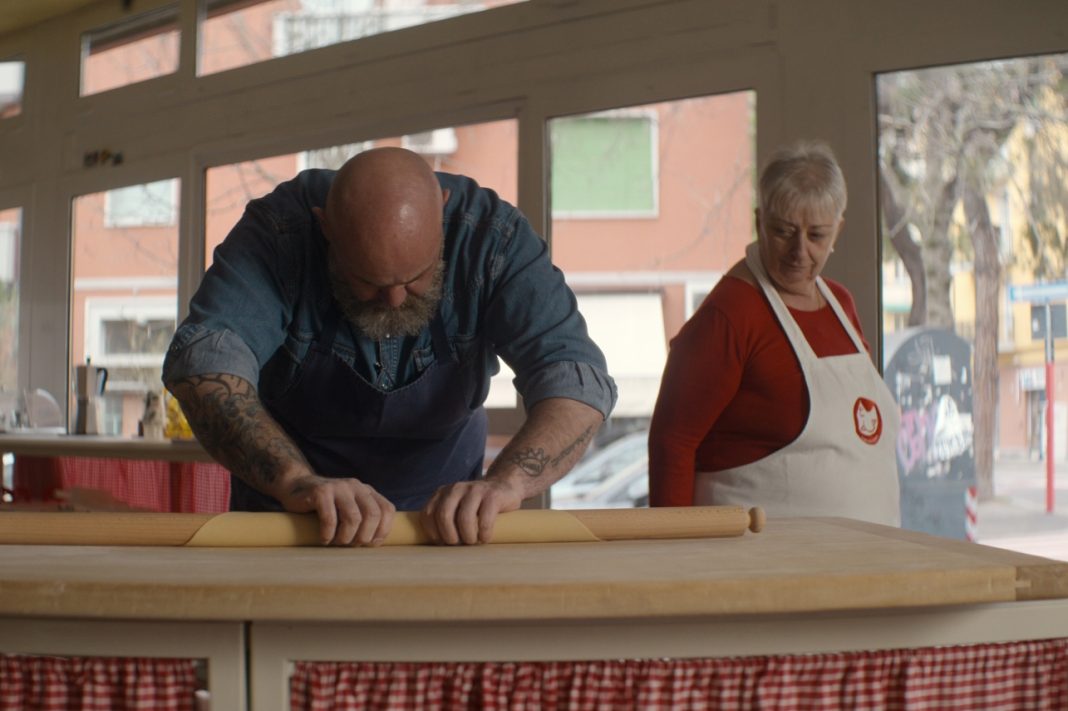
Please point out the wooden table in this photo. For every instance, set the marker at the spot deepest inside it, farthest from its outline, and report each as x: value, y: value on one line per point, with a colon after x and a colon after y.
x: 802, y: 585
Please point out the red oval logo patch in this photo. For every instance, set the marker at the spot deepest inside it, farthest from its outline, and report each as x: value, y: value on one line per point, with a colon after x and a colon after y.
x: 867, y: 420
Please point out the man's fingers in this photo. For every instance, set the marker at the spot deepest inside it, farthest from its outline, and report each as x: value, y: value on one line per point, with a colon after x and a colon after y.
x: 467, y: 516
x: 427, y: 520
x: 444, y: 514
x: 350, y: 518
x: 385, y: 522
x: 372, y: 516
x: 487, y: 517
x: 326, y: 511
x: 466, y: 512
x: 350, y: 512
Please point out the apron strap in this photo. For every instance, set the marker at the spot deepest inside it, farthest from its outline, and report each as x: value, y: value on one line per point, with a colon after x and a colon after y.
x: 330, y: 322
x: 442, y: 352
x: 840, y: 312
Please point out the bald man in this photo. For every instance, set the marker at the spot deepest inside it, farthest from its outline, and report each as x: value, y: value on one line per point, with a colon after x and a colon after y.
x: 339, y: 350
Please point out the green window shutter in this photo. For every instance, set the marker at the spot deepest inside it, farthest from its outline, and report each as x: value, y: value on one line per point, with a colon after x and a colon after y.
x: 603, y: 165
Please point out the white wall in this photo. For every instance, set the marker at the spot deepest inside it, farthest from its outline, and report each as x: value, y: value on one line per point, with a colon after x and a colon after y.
x: 811, y: 63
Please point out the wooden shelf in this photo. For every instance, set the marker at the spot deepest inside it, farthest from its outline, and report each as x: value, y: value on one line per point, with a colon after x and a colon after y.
x: 64, y: 445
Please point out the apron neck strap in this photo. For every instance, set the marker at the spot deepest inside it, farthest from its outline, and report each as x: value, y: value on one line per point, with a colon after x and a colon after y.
x: 330, y: 322
x: 442, y: 352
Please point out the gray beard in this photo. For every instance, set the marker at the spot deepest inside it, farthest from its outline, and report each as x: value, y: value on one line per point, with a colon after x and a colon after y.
x: 378, y: 321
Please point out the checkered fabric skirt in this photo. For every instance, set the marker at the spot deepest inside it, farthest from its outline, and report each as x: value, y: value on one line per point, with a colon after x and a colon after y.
x: 32, y: 683
x: 1019, y: 676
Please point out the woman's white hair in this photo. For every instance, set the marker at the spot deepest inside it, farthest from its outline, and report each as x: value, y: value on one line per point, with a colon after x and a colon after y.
x: 803, y: 176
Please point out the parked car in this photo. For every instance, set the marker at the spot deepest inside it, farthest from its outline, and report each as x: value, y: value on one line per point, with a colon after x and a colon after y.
x: 615, y: 476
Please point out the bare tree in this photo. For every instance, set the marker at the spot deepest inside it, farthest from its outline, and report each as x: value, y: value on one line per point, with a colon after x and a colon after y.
x: 943, y: 148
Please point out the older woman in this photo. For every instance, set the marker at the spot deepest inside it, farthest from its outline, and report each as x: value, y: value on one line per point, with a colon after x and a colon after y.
x: 769, y: 397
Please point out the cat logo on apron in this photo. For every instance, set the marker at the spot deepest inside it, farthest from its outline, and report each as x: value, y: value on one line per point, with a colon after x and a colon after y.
x: 868, y: 419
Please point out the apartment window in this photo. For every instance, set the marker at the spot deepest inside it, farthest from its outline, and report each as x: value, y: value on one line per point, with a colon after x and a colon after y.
x: 605, y: 165
x: 12, y: 76
x: 236, y: 33
x: 10, y: 229
x: 137, y: 49
x: 148, y: 205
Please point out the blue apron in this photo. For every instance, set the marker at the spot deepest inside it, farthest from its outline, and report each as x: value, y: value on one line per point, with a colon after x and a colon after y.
x: 405, y: 443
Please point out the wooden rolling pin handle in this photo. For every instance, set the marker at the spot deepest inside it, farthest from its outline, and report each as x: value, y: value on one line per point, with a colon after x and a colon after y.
x: 757, y: 519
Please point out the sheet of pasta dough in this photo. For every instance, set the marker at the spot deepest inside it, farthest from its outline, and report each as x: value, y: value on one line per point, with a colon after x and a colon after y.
x: 237, y: 529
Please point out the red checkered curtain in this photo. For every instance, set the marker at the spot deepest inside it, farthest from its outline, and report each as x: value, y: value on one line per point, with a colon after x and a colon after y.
x: 95, y: 684
x: 1023, y: 676
x: 199, y: 487
x: 181, y: 487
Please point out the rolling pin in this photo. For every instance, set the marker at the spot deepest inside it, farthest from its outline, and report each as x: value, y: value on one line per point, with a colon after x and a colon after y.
x: 281, y: 529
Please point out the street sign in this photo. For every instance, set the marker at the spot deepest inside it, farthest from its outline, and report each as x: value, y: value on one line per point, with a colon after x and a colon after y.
x: 1039, y: 293
x: 1038, y: 321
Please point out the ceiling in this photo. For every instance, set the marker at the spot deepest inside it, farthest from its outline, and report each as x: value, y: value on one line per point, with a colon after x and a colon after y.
x: 18, y: 14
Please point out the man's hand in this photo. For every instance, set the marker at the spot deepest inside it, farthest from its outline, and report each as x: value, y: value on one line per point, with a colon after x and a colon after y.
x: 350, y: 512
x: 465, y: 512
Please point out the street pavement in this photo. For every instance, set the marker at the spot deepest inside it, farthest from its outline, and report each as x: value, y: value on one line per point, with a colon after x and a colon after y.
x: 1016, y: 517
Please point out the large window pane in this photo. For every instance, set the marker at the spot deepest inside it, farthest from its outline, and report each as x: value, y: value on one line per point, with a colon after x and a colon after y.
x: 137, y: 49
x: 651, y: 205
x: 12, y: 75
x: 124, y: 300
x: 974, y: 205
x: 236, y: 33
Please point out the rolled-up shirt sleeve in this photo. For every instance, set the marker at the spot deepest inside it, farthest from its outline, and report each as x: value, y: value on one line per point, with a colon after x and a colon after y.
x: 535, y: 325
x: 578, y: 381
x: 238, y: 316
x: 196, y: 350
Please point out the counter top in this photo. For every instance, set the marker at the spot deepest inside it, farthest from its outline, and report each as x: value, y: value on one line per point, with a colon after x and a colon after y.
x: 68, y: 445
x: 793, y: 566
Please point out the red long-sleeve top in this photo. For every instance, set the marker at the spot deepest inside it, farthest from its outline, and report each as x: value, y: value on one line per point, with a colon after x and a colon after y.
x: 732, y: 390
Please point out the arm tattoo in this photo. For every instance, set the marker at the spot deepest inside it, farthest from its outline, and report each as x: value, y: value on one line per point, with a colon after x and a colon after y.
x: 226, y: 415
x: 534, y: 460
x: 579, y: 444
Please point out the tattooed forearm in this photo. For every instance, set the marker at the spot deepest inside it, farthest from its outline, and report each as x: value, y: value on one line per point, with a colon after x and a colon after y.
x: 576, y: 447
x: 534, y: 460
x: 226, y: 415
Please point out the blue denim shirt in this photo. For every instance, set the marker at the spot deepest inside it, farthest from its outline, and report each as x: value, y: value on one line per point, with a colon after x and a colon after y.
x: 263, y: 301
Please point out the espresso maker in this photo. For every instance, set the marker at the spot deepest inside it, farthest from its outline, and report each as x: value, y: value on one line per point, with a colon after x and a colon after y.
x: 89, y: 384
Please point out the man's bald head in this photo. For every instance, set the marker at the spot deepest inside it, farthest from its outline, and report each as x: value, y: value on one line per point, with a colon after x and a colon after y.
x: 382, y: 221
x: 384, y: 210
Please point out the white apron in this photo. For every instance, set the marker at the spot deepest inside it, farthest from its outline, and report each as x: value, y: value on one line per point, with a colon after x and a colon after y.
x: 844, y: 462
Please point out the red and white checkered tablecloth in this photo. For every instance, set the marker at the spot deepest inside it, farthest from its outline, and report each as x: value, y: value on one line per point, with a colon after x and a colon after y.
x: 95, y: 684
x: 1018, y: 676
